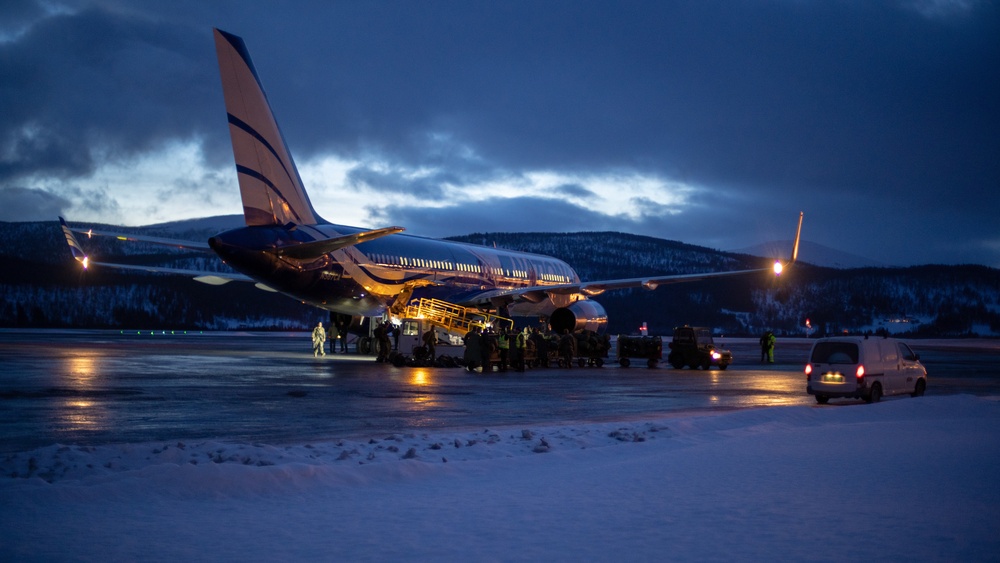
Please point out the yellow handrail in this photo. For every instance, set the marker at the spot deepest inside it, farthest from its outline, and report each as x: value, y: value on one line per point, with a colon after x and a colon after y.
x: 454, y: 318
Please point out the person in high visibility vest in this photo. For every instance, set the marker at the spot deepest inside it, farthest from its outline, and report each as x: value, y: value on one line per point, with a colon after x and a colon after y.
x: 517, y: 354
x: 503, y: 347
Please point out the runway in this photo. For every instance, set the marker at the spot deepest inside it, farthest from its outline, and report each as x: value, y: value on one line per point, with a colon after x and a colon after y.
x: 101, y: 387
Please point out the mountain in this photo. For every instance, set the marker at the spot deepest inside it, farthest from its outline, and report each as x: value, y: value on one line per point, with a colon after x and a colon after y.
x: 43, y: 287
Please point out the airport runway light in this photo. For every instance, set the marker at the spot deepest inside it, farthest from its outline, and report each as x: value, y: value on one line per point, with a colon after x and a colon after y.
x: 778, y: 268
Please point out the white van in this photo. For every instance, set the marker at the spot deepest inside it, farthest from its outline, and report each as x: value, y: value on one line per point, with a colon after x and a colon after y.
x: 863, y: 367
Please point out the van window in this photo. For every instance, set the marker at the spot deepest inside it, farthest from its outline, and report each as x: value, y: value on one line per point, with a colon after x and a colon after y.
x: 835, y: 353
x: 907, y: 353
x: 889, y: 352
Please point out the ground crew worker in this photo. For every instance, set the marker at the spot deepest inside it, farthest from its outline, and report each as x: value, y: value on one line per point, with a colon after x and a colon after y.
x: 319, y: 339
x: 342, y: 325
x: 567, y: 348
x: 517, y: 353
x: 473, y: 346
x: 503, y: 348
x: 488, y: 344
x: 430, y: 339
x: 767, y: 347
x: 384, y: 342
x: 541, y: 347
x: 332, y: 335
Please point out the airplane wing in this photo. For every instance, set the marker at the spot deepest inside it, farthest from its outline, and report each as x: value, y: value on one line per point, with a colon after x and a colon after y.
x: 211, y: 278
x: 176, y: 243
x: 536, y: 294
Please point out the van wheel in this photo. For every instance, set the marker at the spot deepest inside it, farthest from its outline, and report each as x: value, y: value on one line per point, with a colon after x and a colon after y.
x: 875, y: 395
x: 918, y: 391
x: 822, y: 399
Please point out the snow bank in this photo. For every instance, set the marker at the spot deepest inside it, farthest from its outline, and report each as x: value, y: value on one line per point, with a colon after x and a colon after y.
x: 907, y: 479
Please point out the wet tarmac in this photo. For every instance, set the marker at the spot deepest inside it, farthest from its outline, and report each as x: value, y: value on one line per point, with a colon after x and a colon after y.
x: 99, y: 387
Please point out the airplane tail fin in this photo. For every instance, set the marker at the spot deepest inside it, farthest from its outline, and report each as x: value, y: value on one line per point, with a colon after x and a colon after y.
x: 270, y: 185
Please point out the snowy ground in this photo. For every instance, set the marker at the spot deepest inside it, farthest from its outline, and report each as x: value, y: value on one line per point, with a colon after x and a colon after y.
x: 906, y: 479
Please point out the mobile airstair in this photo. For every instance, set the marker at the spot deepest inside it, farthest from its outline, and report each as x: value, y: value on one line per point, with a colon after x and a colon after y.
x: 454, y: 318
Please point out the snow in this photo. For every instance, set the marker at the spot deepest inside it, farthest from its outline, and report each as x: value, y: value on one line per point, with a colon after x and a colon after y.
x: 906, y: 479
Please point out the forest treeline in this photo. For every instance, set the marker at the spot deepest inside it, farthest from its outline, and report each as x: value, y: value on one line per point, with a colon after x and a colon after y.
x: 44, y: 287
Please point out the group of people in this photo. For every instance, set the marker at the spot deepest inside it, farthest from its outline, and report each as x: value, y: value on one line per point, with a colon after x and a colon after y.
x: 516, y: 349
x: 479, y: 346
x: 337, y: 333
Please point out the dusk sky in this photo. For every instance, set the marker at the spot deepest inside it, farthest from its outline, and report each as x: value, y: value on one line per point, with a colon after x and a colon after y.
x: 709, y: 122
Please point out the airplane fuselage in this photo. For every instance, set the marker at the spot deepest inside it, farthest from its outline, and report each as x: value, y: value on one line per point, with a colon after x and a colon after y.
x: 364, y: 279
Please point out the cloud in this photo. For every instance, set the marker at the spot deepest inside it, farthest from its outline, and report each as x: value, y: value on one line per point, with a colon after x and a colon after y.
x: 91, y: 86
x: 25, y: 204
x: 690, y: 120
x: 934, y: 9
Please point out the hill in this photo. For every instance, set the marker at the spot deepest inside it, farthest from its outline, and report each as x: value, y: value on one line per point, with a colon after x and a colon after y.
x: 43, y: 287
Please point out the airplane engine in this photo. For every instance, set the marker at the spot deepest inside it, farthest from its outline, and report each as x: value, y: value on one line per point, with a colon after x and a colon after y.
x: 581, y: 315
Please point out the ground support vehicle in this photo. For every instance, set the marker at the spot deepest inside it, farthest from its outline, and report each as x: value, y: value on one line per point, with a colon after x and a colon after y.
x: 450, y: 322
x: 413, y: 352
x: 863, y: 367
x: 695, y: 347
x: 649, y: 348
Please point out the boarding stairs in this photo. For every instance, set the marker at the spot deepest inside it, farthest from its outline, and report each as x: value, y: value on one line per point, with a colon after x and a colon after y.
x: 454, y: 318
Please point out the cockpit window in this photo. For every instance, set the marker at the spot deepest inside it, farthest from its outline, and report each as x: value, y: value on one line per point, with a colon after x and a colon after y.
x: 835, y: 353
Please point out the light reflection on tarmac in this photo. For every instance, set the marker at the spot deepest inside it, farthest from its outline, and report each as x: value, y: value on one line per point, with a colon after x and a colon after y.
x: 98, y: 387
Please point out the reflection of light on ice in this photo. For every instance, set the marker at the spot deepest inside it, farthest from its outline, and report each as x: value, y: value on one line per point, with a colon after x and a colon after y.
x: 420, y: 376
x: 83, y: 368
x: 82, y: 372
x: 77, y: 413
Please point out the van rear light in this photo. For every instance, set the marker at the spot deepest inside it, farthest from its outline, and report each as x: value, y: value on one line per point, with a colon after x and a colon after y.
x: 809, y: 371
x: 861, y: 372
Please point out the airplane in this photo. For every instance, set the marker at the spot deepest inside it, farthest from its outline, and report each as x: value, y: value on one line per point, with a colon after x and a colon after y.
x: 288, y: 248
